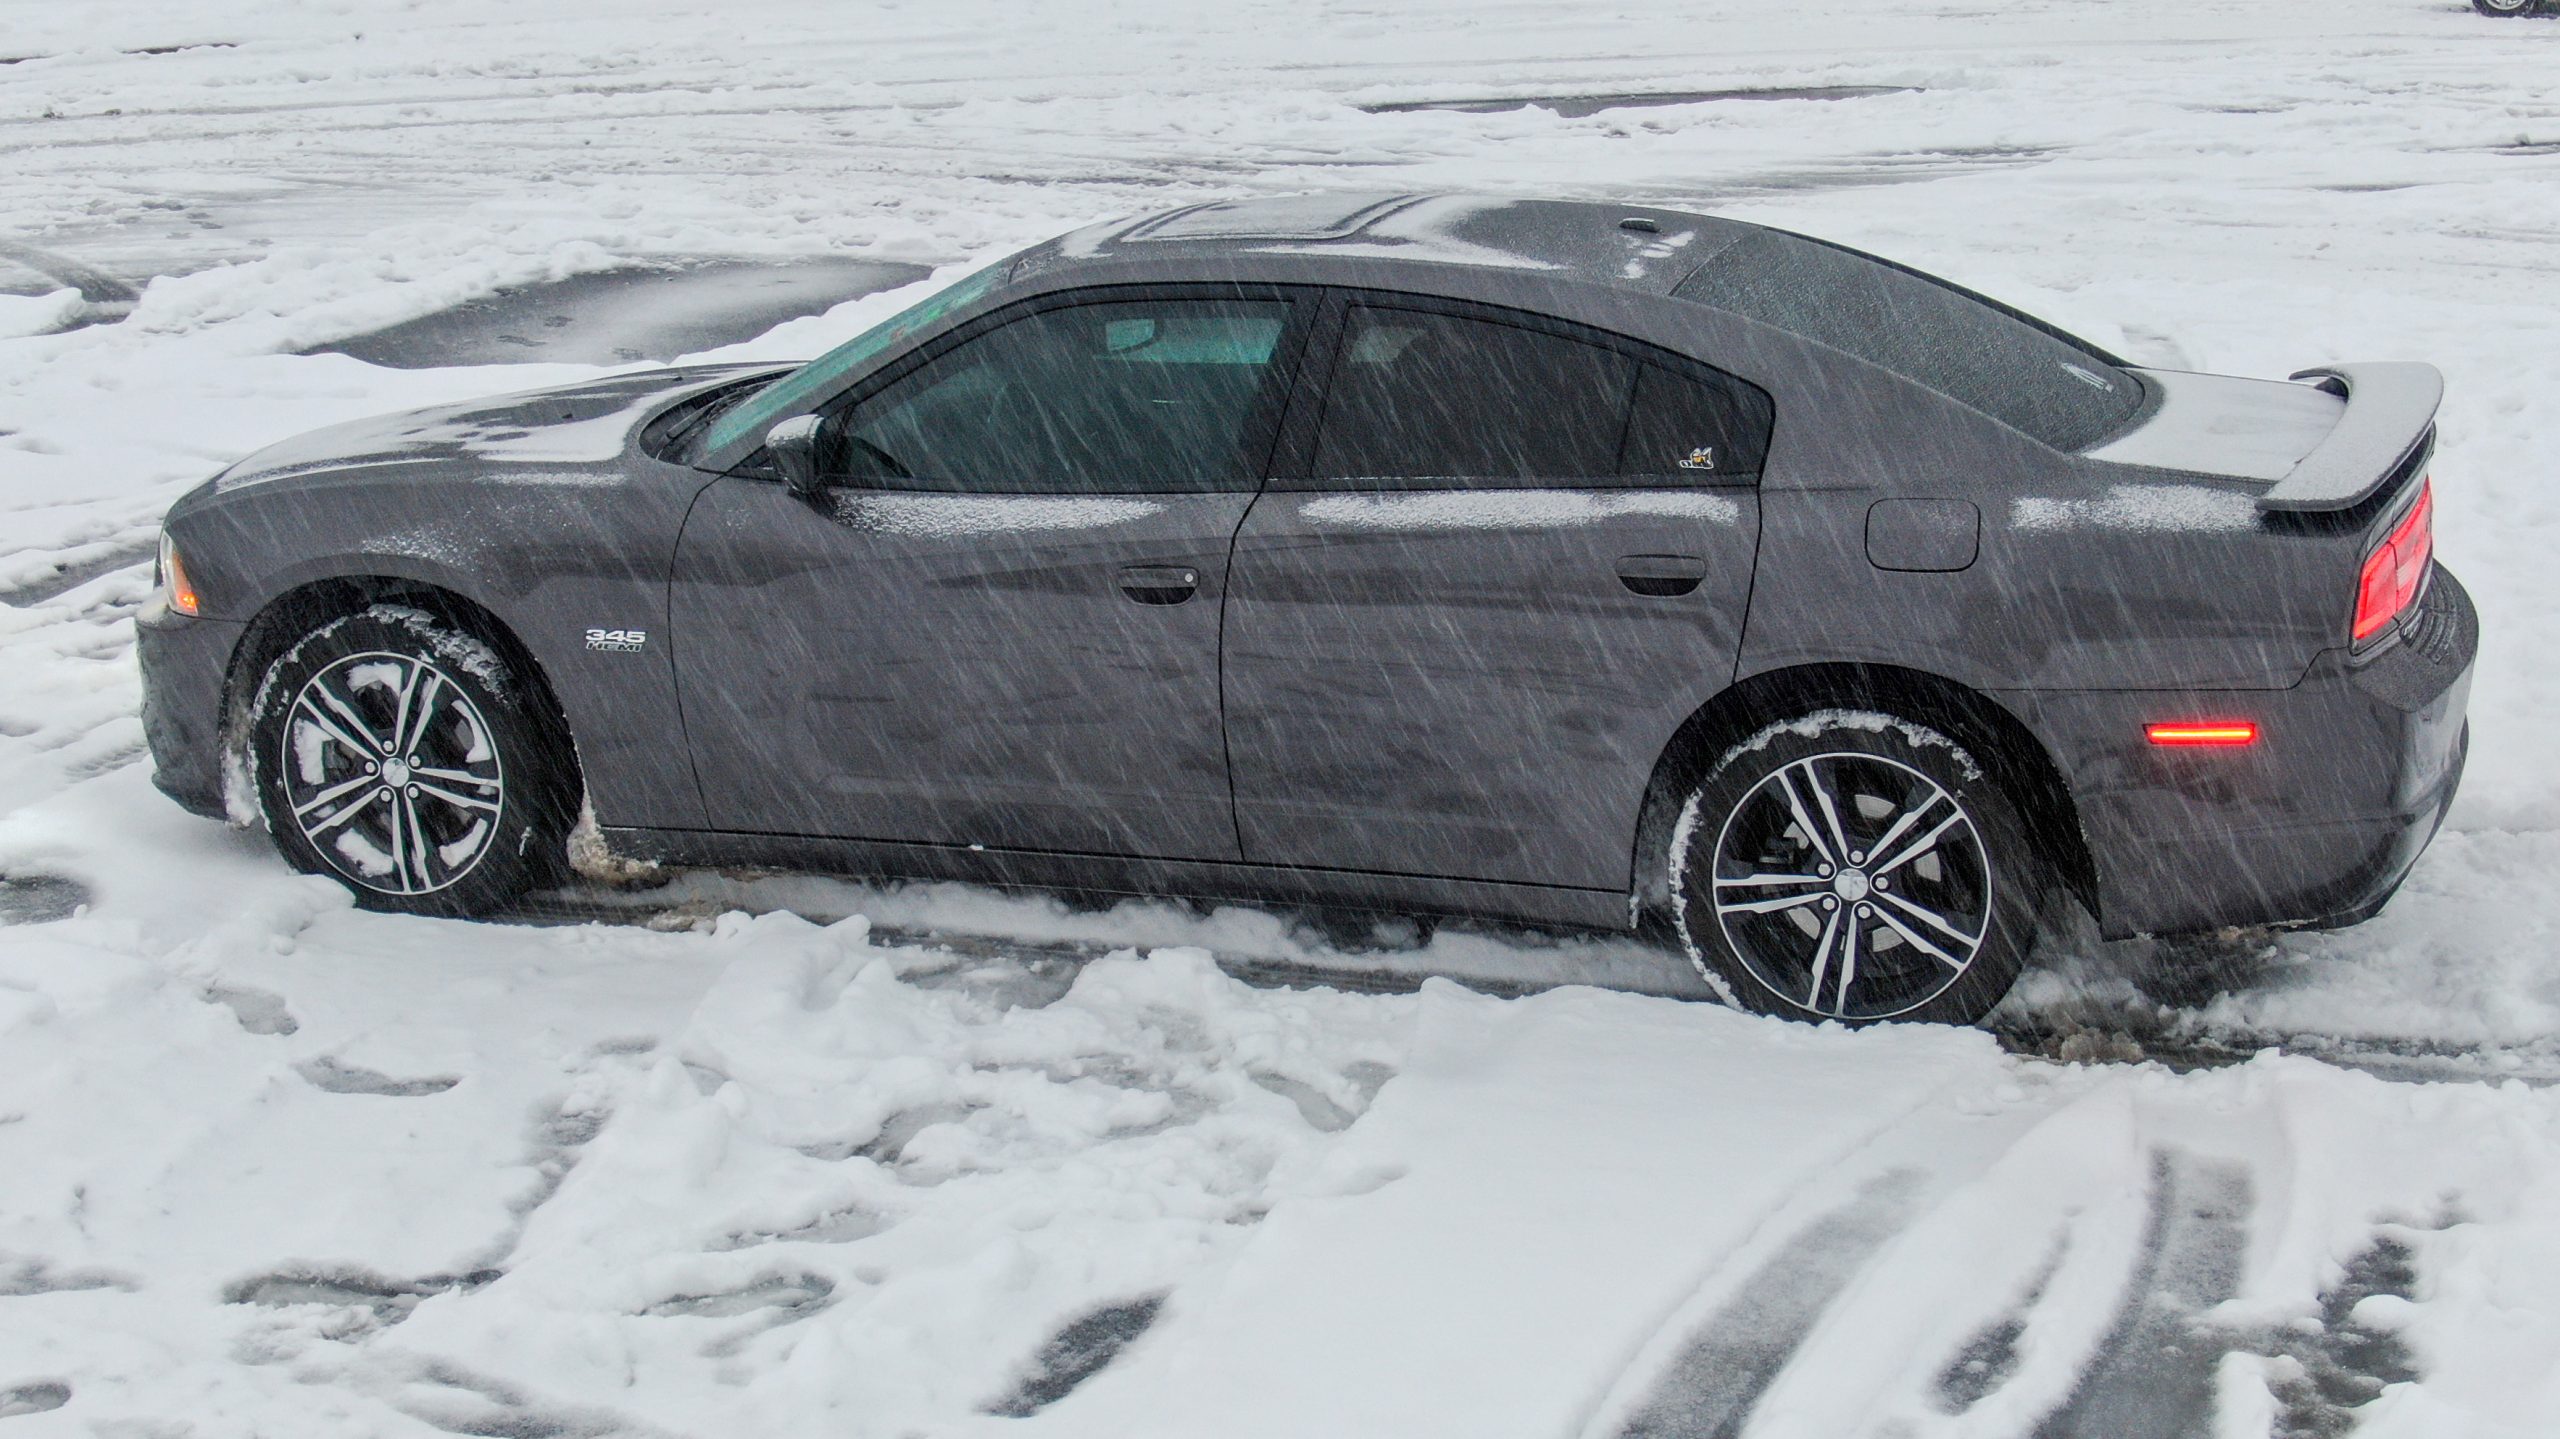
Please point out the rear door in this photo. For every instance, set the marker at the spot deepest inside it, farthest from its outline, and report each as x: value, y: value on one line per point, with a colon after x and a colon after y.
x: 999, y: 625
x: 1504, y: 559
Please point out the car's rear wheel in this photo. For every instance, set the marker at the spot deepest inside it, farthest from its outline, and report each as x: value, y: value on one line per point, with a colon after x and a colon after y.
x: 2506, y: 7
x: 402, y: 756
x: 1855, y: 867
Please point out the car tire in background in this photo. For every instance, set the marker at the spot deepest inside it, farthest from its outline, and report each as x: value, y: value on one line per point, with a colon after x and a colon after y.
x: 399, y: 754
x: 2507, y: 8
x: 1855, y: 867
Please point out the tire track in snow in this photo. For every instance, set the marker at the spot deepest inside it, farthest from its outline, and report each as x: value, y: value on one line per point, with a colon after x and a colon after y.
x: 2153, y: 1376
x: 1710, y: 1389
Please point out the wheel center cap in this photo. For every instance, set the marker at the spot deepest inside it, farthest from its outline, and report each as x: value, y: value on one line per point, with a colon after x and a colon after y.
x: 1850, y: 884
x: 396, y: 773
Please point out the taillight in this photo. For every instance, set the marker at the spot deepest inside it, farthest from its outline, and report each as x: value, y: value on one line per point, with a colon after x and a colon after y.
x: 2397, y: 569
x: 174, y: 581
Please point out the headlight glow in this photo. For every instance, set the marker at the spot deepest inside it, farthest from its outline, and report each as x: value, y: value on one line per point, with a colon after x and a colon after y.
x: 173, y: 579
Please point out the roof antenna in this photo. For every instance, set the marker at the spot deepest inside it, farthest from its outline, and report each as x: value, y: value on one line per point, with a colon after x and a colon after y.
x: 1639, y: 222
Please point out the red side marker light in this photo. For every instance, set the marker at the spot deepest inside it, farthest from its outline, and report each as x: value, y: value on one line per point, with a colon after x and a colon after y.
x: 2203, y: 732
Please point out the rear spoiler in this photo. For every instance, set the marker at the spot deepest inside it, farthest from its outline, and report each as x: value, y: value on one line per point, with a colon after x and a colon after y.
x: 2390, y: 414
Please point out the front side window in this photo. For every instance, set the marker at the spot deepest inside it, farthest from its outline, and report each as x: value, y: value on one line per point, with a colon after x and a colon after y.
x: 1119, y: 397
x: 756, y: 413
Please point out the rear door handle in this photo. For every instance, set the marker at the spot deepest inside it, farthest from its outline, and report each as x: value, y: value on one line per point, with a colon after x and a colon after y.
x: 1160, y: 584
x: 1661, y: 575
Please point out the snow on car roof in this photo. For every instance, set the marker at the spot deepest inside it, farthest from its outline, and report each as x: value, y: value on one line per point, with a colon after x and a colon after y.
x: 1637, y: 247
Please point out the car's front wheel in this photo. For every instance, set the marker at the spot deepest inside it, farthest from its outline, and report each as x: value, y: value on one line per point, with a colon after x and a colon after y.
x: 402, y: 756
x: 2506, y: 7
x: 1855, y: 867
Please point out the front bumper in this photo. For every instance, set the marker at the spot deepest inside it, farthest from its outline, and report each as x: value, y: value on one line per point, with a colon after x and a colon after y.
x: 185, y: 664
x: 2315, y: 824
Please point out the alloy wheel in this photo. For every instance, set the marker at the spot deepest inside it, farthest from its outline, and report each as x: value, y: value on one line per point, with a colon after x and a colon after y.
x: 1852, y: 885
x: 391, y: 772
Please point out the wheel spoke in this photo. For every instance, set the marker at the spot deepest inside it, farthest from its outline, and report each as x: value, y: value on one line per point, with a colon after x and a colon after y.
x: 1769, y: 906
x: 1929, y: 917
x: 336, y: 791
x: 1913, y: 937
x: 464, y: 802
x: 330, y: 726
x: 400, y: 716
x: 453, y: 776
x: 1903, y: 822
x: 372, y: 744
x: 1763, y: 881
x: 429, y: 691
x: 405, y: 816
x: 1848, y: 963
x: 399, y: 843
x: 1804, y: 821
x: 1821, y: 960
x: 1920, y: 846
x: 313, y: 832
x: 1830, y: 812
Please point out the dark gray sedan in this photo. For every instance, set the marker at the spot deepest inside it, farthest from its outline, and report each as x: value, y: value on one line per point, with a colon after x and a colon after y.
x: 1588, y: 565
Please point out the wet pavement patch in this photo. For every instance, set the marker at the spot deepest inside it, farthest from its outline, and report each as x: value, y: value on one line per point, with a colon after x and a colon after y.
x: 41, y: 1397
x: 1576, y: 107
x: 71, y: 575
x: 621, y: 316
x: 22, y: 1277
x: 40, y: 898
x: 1076, y: 1353
x: 788, y: 1296
x: 258, y: 1011
x: 103, y: 297
x: 389, y: 1300
x: 337, y: 1077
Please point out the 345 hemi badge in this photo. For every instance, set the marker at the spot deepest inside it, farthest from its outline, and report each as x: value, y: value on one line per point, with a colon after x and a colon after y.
x: 619, y: 641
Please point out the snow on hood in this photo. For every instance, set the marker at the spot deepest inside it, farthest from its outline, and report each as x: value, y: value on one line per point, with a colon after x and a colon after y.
x: 584, y: 424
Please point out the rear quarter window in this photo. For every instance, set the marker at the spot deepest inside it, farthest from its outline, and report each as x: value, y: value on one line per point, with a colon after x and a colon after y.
x: 2063, y: 392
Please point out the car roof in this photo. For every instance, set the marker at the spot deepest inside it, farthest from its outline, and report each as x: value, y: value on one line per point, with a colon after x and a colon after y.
x: 1628, y: 247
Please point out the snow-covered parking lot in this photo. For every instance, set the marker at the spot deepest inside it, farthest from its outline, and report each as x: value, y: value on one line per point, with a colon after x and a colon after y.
x: 789, y: 1156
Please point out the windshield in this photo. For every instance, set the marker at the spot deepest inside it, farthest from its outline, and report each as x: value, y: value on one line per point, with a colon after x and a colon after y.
x: 758, y: 412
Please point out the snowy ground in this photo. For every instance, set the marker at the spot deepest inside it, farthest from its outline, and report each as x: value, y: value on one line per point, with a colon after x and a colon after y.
x: 808, y: 1157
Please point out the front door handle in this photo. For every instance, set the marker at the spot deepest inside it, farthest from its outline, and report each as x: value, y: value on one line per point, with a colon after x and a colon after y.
x: 1661, y: 576
x: 1160, y: 584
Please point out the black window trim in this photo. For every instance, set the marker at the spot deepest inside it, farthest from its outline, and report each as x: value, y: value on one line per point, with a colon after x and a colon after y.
x: 1293, y: 463
x: 1288, y: 359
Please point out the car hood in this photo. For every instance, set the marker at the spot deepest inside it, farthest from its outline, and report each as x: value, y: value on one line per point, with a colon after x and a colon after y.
x: 572, y: 426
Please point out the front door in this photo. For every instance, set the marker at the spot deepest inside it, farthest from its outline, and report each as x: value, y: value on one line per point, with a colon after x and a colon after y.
x: 1514, y: 558
x: 1000, y: 626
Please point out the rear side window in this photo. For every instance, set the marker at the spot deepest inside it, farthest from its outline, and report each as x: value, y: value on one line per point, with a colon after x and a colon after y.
x: 1417, y: 395
x: 1695, y: 426
x: 2066, y: 394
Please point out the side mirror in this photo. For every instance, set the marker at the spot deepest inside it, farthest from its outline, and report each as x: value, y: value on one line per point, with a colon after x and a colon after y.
x: 794, y: 447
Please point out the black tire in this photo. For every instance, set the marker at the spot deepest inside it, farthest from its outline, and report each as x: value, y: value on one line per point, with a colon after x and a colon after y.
x: 2507, y: 9
x: 470, y: 809
x: 1927, y: 912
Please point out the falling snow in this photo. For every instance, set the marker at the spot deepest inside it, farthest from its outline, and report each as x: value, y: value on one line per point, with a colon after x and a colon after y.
x: 785, y: 1155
